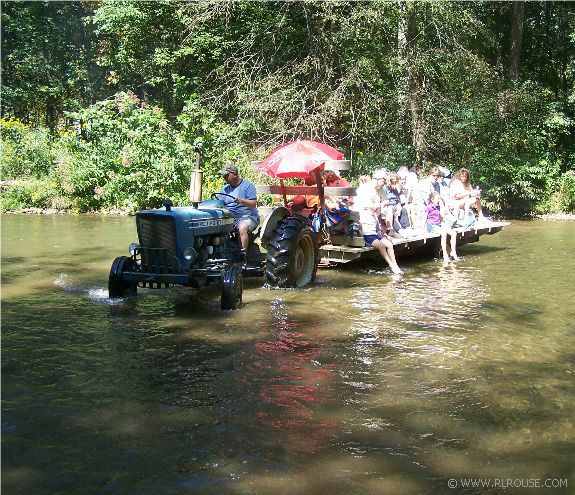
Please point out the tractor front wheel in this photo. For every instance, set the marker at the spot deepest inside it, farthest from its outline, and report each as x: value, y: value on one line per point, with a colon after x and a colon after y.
x: 232, y: 288
x: 293, y: 254
x: 117, y: 286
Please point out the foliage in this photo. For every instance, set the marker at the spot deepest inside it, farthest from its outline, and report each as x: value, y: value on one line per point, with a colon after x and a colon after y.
x: 26, y: 152
x: 129, y: 155
x: 567, y: 192
x: 36, y: 193
x: 47, y: 60
x: 386, y: 82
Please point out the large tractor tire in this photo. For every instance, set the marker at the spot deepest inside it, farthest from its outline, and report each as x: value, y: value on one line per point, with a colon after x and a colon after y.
x: 117, y: 286
x: 293, y: 254
x: 232, y: 288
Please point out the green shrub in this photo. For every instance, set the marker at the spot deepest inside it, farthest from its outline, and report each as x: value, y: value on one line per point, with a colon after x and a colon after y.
x: 33, y: 193
x: 129, y: 155
x: 26, y: 152
x: 567, y: 192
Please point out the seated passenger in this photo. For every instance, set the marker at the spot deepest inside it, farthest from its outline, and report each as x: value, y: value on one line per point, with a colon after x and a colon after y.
x: 405, y: 214
x: 371, y: 191
x: 305, y: 201
x: 393, y: 209
x: 440, y: 222
x: 430, y: 184
x: 414, y: 202
x: 464, y: 196
x: 337, y: 208
x: 362, y: 179
x: 421, y: 195
x: 373, y: 236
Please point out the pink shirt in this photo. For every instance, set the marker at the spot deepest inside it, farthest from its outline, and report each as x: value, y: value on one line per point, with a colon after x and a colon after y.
x: 433, y: 215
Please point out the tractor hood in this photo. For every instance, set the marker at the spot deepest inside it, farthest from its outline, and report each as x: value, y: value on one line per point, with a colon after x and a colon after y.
x: 190, y: 213
x: 185, y: 221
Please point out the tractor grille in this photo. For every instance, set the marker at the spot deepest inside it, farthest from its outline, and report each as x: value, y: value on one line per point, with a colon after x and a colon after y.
x: 158, y: 261
x: 158, y: 244
x: 157, y: 232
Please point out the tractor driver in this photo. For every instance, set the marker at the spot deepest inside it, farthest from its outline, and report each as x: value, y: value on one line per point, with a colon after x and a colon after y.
x: 243, y: 203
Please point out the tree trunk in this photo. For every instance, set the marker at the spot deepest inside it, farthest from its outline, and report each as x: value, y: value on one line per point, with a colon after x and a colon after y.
x: 409, y: 84
x: 517, y: 16
x: 402, y: 84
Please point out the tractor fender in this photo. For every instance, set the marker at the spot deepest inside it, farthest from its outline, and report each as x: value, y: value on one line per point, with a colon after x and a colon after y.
x: 271, y: 222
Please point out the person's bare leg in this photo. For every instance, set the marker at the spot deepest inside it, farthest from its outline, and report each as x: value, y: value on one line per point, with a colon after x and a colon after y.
x: 453, y: 235
x: 391, y: 254
x: 380, y: 247
x: 465, y: 210
x: 389, y: 217
x: 446, y: 258
x: 385, y: 248
x: 479, y: 209
x: 411, y: 215
x: 244, y: 235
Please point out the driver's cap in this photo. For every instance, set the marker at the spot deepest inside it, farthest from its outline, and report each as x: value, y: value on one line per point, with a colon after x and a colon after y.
x: 230, y: 167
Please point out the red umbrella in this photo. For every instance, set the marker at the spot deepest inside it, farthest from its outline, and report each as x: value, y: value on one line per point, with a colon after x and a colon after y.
x: 298, y: 159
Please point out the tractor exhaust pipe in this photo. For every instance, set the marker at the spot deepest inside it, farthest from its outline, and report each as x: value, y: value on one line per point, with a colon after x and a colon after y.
x: 196, y: 180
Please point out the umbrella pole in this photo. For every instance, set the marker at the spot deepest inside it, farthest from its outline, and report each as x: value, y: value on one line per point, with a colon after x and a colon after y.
x: 319, y: 183
x: 282, y: 185
x: 323, y: 224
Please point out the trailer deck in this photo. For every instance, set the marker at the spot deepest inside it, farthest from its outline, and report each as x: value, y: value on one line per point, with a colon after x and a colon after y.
x: 343, y: 251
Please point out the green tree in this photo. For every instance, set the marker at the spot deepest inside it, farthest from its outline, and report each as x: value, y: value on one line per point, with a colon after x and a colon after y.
x: 47, y: 60
x: 145, y: 48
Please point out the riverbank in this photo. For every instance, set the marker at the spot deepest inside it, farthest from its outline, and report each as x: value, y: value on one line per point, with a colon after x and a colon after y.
x: 120, y: 212
x: 52, y: 211
x: 555, y: 216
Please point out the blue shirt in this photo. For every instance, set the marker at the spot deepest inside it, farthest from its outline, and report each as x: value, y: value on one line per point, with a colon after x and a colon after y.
x: 244, y: 190
x: 392, y: 195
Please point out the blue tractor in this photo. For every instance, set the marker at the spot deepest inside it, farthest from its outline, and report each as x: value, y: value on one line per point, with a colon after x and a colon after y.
x: 197, y: 245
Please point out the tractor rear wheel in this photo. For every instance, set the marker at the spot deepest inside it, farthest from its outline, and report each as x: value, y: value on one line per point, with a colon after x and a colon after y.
x: 117, y: 286
x: 292, y: 255
x: 232, y: 288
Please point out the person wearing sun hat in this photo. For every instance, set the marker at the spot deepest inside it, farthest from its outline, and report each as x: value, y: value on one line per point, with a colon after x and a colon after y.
x: 372, y: 191
x: 369, y: 217
x: 241, y: 200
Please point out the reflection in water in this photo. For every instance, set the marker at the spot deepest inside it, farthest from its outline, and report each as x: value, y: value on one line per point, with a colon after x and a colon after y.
x: 287, y: 386
x: 360, y: 384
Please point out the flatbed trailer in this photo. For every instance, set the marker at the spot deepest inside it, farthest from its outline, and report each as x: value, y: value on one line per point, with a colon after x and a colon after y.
x: 341, y: 248
x: 344, y: 248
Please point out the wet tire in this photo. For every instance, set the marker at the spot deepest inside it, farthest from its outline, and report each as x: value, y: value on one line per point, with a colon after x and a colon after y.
x: 117, y: 286
x: 293, y: 254
x: 232, y: 288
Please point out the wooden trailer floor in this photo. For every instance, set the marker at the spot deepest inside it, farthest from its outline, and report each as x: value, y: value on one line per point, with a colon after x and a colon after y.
x: 345, y: 249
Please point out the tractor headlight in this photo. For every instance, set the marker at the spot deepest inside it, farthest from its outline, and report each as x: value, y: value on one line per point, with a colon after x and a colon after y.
x: 133, y: 248
x: 190, y: 253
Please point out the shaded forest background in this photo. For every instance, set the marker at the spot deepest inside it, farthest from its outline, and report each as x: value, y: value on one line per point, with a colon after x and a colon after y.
x: 103, y: 102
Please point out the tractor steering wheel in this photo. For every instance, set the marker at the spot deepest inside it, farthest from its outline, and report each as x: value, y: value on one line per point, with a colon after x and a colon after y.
x: 215, y: 196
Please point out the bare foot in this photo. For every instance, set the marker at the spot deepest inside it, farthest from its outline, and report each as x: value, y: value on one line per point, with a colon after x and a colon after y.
x: 397, y: 270
x: 455, y: 257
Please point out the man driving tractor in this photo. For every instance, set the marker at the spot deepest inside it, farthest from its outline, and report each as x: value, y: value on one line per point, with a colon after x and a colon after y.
x: 240, y: 198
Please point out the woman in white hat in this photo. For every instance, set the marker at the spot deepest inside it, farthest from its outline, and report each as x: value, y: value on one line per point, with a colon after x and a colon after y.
x: 373, y: 236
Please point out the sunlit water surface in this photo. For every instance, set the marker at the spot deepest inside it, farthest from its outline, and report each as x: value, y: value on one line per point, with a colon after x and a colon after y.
x: 361, y: 384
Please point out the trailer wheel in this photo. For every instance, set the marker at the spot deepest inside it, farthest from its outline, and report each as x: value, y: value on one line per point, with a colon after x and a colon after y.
x: 232, y: 288
x: 117, y: 286
x: 292, y: 255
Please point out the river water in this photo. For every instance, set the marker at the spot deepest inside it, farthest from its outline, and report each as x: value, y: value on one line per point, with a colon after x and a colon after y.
x: 360, y: 384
